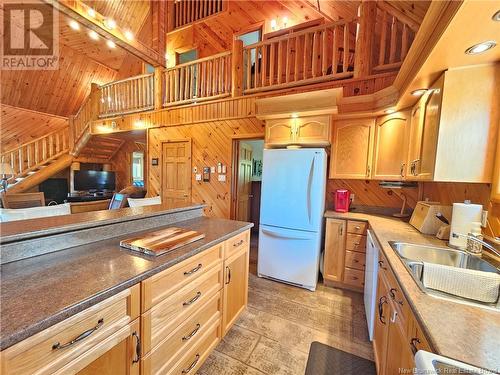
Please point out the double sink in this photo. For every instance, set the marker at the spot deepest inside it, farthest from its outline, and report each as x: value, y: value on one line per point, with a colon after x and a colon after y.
x: 415, y: 256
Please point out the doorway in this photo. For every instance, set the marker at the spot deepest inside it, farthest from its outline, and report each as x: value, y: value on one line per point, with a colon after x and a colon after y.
x: 176, y: 173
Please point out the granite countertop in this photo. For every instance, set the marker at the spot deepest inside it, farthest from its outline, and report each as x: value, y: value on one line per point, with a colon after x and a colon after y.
x: 462, y: 332
x: 39, y: 292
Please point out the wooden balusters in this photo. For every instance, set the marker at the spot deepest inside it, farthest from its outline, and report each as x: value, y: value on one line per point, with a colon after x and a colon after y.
x: 189, y: 11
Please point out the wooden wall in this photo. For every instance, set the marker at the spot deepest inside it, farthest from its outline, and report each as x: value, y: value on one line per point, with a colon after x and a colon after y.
x: 122, y: 163
x: 211, y: 143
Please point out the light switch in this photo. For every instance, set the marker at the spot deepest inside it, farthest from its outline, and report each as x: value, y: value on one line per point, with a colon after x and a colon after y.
x: 212, y: 169
x: 198, y: 177
x: 224, y: 169
x: 222, y: 178
x: 219, y: 167
x: 195, y: 170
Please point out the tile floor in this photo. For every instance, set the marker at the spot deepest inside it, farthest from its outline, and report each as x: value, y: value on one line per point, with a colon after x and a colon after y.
x: 273, y: 335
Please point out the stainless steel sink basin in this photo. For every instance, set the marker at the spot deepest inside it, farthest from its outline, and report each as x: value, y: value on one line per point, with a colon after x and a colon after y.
x: 414, y: 256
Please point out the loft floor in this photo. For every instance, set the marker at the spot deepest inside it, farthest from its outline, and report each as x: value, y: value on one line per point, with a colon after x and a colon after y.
x: 273, y: 335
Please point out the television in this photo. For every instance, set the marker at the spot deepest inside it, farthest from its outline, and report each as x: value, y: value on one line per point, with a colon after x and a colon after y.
x: 94, y: 180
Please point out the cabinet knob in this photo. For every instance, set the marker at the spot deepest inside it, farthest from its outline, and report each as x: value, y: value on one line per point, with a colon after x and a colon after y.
x: 357, y: 227
x: 413, y: 344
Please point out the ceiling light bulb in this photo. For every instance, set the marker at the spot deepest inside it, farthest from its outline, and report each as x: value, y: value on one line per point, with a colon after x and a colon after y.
x: 496, y: 16
x: 389, y: 111
x: 480, y: 47
x: 91, y: 12
x: 110, y: 23
x: 74, y: 25
x: 128, y: 34
x: 93, y: 35
x: 273, y: 24
x: 419, y: 92
x: 111, y: 44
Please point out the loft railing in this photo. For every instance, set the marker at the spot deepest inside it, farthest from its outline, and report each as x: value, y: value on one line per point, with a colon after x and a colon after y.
x: 317, y: 54
x: 202, y: 79
x: 188, y: 11
x: 31, y: 155
x: 128, y: 95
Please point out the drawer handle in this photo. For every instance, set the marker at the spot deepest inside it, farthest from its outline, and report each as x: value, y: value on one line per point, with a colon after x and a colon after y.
x: 80, y: 337
x: 228, y: 275
x: 381, y: 265
x: 137, y: 348
x: 192, y: 300
x: 193, y: 332
x: 381, y: 302
x: 195, y: 269
x: 392, y: 292
x: 413, y: 344
x: 356, y: 244
x: 357, y: 227
x: 238, y: 243
x: 192, y: 365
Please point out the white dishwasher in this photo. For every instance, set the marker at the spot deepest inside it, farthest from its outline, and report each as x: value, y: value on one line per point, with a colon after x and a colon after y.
x: 371, y: 270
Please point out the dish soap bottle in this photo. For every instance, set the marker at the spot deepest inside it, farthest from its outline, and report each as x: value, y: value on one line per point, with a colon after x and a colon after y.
x: 475, y: 247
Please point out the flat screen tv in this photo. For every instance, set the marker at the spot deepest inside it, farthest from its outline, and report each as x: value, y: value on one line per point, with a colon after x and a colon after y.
x: 94, y: 180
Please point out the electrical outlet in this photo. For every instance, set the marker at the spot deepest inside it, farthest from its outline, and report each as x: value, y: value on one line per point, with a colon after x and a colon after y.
x: 198, y: 177
x: 212, y: 169
x: 222, y: 178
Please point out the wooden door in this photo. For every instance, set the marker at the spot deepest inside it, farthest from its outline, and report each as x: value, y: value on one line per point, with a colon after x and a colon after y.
x: 313, y: 130
x: 335, y: 236
x: 279, y: 132
x: 391, y: 146
x: 352, y: 149
x: 244, y: 184
x: 381, y: 325
x: 121, y: 359
x: 235, y: 287
x: 415, y: 139
x: 176, y: 173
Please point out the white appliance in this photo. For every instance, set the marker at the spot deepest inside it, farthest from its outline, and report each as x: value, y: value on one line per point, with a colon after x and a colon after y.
x: 371, y: 270
x: 291, y: 215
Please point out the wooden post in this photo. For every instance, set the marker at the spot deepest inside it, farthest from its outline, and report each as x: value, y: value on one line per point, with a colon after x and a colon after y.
x: 158, y: 94
x: 237, y: 68
x: 94, y: 102
x: 364, y: 40
x: 71, y: 133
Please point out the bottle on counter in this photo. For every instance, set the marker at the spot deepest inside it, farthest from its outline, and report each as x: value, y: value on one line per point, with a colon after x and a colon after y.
x: 475, y: 247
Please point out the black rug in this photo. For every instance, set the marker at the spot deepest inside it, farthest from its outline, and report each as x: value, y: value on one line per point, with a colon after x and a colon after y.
x: 325, y: 360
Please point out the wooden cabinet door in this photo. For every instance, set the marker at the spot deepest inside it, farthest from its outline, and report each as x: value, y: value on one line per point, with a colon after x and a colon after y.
x: 352, y: 149
x: 391, y: 146
x: 122, y: 358
x: 335, y: 235
x: 381, y: 327
x: 399, y: 358
x: 235, y: 288
x: 495, y: 187
x: 313, y: 130
x: 415, y: 140
x: 279, y: 132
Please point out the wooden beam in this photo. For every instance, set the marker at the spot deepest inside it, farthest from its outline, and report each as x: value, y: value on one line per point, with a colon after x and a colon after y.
x: 237, y: 68
x: 78, y: 10
x: 364, y: 41
x: 159, y: 16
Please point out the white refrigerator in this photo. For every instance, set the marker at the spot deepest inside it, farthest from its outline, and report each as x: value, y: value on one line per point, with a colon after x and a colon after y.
x: 291, y: 215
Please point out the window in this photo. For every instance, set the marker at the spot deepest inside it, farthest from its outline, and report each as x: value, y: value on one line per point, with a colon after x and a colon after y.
x: 185, y: 57
x: 138, y: 168
x: 250, y: 37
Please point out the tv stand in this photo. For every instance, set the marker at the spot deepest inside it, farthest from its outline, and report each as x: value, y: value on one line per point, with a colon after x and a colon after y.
x: 89, y: 197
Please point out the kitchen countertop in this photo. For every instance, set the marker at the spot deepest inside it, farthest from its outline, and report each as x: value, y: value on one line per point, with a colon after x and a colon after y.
x: 465, y: 333
x: 39, y: 292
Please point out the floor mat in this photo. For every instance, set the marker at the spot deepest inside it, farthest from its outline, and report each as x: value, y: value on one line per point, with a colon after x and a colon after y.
x: 324, y: 359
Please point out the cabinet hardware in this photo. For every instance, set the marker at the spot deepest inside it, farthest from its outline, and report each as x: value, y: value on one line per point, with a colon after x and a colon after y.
x: 381, y: 265
x: 368, y: 170
x: 80, y: 337
x: 238, y: 243
x: 196, y: 269
x: 137, y: 348
x: 403, y: 169
x: 192, y: 300
x: 413, y: 344
x: 192, y: 365
x: 341, y: 230
x: 381, y: 302
x: 193, y: 332
x: 357, y: 227
x: 394, y: 316
x: 356, y: 244
x: 228, y: 272
x: 392, y: 292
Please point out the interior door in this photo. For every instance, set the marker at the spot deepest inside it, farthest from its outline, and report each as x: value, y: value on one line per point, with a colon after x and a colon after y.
x: 244, y: 186
x: 176, y: 173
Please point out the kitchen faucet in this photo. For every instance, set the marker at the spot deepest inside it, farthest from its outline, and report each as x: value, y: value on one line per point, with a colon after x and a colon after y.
x: 475, y: 239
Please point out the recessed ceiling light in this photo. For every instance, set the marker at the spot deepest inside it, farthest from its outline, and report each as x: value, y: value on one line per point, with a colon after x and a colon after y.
x: 419, y: 92
x: 74, y: 25
x: 129, y: 35
x: 389, y: 111
x: 91, y: 12
x: 110, y: 23
x: 496, y: 16
x: 111, y: 44
x: 480, y: 47
x: 93, y: 35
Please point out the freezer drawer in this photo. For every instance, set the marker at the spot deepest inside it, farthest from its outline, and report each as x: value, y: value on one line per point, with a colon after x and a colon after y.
x: 289, y: 255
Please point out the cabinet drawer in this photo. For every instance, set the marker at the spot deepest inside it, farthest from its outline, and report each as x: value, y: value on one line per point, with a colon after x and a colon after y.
x: 236, y: 243
x: 355, y: 242
x: 354, y: 277
x: 184, y: 336
x: 50, y: 351
x: 355, y: 260
x: 159, y: 322
x: 164, y: 284
x: 357, y: 227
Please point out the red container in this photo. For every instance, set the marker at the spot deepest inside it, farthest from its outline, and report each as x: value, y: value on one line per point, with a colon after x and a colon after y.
x: 342, y: 200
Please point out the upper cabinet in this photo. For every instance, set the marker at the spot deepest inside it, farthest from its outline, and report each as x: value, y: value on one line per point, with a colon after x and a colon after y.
x: 391, y: 146
x: 352, y: 149
x: 305, y: 131
x: 495, y: 188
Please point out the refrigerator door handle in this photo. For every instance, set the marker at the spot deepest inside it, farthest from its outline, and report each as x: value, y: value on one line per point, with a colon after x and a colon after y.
x: 286, y: 236
x: 309, y: 185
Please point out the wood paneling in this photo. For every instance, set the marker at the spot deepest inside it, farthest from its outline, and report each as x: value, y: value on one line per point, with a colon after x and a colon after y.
x: 211, y: 144
x: 20, y: 126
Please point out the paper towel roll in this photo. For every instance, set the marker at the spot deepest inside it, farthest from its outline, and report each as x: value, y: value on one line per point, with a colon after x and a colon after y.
x: 462, y: 217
